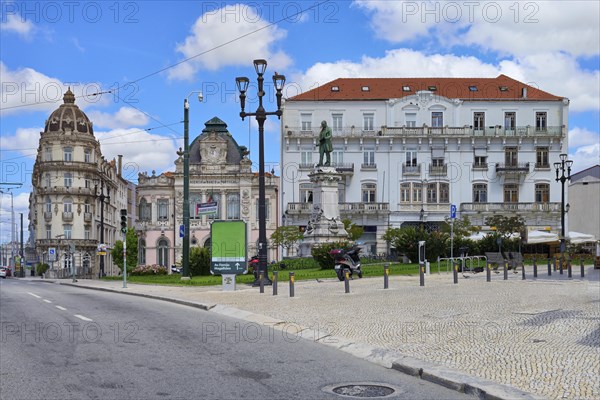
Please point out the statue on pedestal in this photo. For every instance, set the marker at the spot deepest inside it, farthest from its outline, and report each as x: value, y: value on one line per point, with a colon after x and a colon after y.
x: 325, y: 144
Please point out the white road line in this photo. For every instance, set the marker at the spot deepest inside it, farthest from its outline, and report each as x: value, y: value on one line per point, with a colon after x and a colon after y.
x: 47, y: 301
x: 83, y: 318
x: 61, y: 308
x: 34, y: 295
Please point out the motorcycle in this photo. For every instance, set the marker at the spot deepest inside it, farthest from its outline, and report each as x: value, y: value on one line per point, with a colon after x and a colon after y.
x: 253, y: 265
x: 347, y: 261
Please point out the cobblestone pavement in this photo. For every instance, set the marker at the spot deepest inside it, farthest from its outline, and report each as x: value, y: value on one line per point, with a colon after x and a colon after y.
x: 539, y: 335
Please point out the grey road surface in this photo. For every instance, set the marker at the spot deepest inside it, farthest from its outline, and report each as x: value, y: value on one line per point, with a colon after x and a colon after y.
x: 59, y: 342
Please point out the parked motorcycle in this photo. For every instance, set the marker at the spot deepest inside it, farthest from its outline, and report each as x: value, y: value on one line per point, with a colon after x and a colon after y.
x: 347, y: 261
x: 253, y: 266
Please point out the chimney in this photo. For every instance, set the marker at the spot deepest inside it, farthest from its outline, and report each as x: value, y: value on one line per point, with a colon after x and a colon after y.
x: 120, y: 165
x: 524, y: 93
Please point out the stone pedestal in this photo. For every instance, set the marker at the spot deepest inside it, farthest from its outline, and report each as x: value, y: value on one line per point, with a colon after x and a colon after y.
x: 325, y: 224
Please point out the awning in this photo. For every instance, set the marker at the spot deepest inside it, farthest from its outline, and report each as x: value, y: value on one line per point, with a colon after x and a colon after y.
x: 437, y: 152
x: 476, y: 236
x: 537, y: 237
x: 480, y: 152
x: 578, y: 238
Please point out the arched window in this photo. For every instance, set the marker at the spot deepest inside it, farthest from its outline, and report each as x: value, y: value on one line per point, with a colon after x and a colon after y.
x: 162, y: 249
x: 47, y: 180
x: 142, y: 252
x: 145, y: 210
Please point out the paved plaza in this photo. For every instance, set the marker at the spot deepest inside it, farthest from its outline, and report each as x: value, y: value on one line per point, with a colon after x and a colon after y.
x: 541, y: 336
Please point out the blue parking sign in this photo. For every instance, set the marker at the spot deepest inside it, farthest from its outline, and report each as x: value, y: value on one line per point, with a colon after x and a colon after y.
x: 181, y: 231
x: 453, y: 211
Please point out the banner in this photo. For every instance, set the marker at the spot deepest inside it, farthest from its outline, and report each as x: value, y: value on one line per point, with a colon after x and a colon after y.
x: 206, y: 208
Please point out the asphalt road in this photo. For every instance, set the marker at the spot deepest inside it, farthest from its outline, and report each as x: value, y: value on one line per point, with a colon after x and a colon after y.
x: 60, y: 342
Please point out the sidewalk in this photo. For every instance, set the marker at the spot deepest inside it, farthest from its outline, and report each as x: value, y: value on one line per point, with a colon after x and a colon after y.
x: 500, y: 339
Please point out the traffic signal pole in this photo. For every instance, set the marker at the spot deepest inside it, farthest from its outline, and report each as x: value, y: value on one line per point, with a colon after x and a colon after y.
x: 124, y: 231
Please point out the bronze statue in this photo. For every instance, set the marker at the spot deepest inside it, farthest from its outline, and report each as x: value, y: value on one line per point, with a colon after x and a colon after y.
x: 325, y: 145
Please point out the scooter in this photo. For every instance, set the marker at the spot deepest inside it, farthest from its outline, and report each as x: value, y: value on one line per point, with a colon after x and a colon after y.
x: 347, y: 261
x: 253, y: 263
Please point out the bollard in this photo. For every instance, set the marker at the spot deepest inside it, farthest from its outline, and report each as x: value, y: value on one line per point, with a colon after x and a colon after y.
x: 262, y: 282
x: 275, y: 275
x: 582, y: 268
x: 549, y: 268
x: 292, y: 279
x: 421, y: 274
x: 569, y: 269
x: 386, y: 273
x: 347, y: 282
x: 488, y: 271
x: 523, y: 271
x: 505, y: 269
x: 534, y: 267
x: 455, y: 272
x: 561, y: 264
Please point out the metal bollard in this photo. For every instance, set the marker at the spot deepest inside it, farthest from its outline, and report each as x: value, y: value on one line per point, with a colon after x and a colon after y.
x: 455, y: 272
x: 569, y: 269
x: 488, y: 271
x: 505, y: 270
x: 386, y: 276
x: 275, y: 275
x: 549, y: 268
x: 262, y: 282
x: 347, y: 282
x: 534, y: 267
x: 561, y: 264
x: 292, y: 279
x: 422, y: 274
x: 523, y: 271
x: 582, y: 268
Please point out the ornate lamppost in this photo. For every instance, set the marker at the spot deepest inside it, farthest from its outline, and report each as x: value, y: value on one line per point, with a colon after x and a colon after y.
x: 101, y: 196
x: 261, y: 116
x: 561, y: 167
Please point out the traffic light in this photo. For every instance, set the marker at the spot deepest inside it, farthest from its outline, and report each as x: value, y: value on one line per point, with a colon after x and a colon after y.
x: 124, y: 220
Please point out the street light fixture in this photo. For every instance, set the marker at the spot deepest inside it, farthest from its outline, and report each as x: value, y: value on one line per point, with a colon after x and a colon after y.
x: 242, y: 83
x: 101, y: 196
x: 560, y: 168
x: 185, y: 256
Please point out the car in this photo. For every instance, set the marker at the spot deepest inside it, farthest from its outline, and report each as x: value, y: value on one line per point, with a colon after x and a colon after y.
x: 3, y: 272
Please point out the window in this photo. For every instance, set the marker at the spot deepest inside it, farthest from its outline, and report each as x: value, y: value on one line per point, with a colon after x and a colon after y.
x: 336, y: 122
x: 411, y: 120
x: 511, y: 156
x: 306, y: 158
x: 306, y: 122
x: 437, y: 119
x: 364, y: 88
x: 480, y: 162
x: 68, y: 154
x: 411, y: 158
x: 48, y: 205
x: 480, y: 193
x: 510, y: 119
x: 162, y: 252
x: 68, y: 178
x: 87, y: 233
x: 163, y: 210
x: 145, y: 210
x: 47, y: 180
x: 88, y: 183
x: 541, y: 157
x: 48, y: 153
x: 335, y: 88
x: 267, y: 210
x: 405, y: 192
x: 68, y: 205
x: 306, y: 193
x: 437, y: 162
x: 87, y: 155
x: 233, y: 206
x: 368, y: 121
x: 215, y: 197
x: 337, y: 157
x: 368, y: 192
x: 444, y: 193
x: 417, y: 193
x: 142, y: 252
x: 472, y: 88
x: 540, y: 121
x: 406, y: 88
x: 87, y: 207
x: 341, y: 193
x: 67, y: 231
x: 48, y: 231
x: 432, y: 193
x: 479, y: 121
x: 511, y: 193
x: 369, y: 157
x: 542, y: 193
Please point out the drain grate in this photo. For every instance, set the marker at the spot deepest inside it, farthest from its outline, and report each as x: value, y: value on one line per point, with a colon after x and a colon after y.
x: 363, y: 390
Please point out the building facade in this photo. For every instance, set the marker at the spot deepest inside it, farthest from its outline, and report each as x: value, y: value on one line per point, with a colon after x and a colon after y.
x: 584, y: 212
x: 70, y: 175
x: 409, y: 148
x: 222, y: 187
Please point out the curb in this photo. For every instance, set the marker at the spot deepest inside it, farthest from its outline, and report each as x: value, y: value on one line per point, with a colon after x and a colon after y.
x: 459, y: 381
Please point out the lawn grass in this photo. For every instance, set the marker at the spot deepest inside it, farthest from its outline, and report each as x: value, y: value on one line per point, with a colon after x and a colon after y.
x: 371, y: 270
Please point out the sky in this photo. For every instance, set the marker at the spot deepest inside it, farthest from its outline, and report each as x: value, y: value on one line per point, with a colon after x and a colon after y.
x: 146, y: 57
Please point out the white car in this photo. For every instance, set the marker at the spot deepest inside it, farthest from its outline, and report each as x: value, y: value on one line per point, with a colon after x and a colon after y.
x: 3, y: 273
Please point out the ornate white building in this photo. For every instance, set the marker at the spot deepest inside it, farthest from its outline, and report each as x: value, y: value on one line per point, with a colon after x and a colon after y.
x: 69, y: 176
x: 220, y: 172
x: 410, y: 147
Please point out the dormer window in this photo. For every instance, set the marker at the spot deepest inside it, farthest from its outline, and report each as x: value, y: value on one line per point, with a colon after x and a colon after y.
x: 503, y: 88
x: 406, y: 88
x: 335, y: 88
x: 432, y: 88
x: 364, y: 88
x: 472, y: 88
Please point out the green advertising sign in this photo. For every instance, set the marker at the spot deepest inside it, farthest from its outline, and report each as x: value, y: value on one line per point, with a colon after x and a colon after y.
x: 228, y: 245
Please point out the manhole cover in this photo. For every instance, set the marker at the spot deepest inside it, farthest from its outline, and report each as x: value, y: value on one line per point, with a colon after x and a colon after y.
x: 361, y: 390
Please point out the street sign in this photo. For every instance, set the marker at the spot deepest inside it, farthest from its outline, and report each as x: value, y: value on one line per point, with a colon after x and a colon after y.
x: 228, y: 247
x: 101, y: 250
x: 52, y: 254
x: 453, y: 211
x: 181, y: 231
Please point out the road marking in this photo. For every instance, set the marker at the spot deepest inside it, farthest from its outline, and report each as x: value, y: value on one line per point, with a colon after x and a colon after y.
x: 47, y: 301
x: 61, y: 308
x: 83, y: 318
x: 34, y: 295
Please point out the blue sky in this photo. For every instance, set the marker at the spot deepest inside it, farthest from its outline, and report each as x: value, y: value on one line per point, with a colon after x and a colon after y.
x: 152, y: 54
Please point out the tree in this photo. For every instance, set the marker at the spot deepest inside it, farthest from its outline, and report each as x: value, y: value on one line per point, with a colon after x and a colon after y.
x: 462, y: 227
x: 354, y: 231
x: 286, y: 236
x: 406, y: 240
x: 132, y: 251
x: 506, y: 226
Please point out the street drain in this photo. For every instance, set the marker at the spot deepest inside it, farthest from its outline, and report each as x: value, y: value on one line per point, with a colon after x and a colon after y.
x: 362, y: 390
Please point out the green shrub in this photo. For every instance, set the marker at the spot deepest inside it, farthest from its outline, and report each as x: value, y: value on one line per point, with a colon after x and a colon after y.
x: 321, y: 254
x: 200, y: 261
x: 41, y: 268
x: 149, y: 270
x: 294, y: 264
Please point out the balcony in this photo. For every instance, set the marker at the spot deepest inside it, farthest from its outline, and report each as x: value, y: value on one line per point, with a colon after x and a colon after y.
x: 368, y: 167
x: 348, y: 208
x: 48, y: 215
x: 411, y: 169
x: 438, y: 169
x: 67, y: 216
x: 519, y: 207
x: 512, y: 168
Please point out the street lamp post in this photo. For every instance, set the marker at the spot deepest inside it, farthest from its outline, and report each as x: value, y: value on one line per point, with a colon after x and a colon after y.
x: 102, y: 197
x: 560, y: 168
x: 261, y: 116
x: 185, y: 256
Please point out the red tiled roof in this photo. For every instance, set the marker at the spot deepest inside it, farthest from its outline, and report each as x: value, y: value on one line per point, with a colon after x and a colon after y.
x: 453, y: 88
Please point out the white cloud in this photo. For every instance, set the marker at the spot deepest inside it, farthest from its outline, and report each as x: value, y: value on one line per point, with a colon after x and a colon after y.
x: 25, y: 141
x: 228, y: 37
x: 582, y: 137
x: 15, y: 24
x: 125, y: 117
x: 585, y: 157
